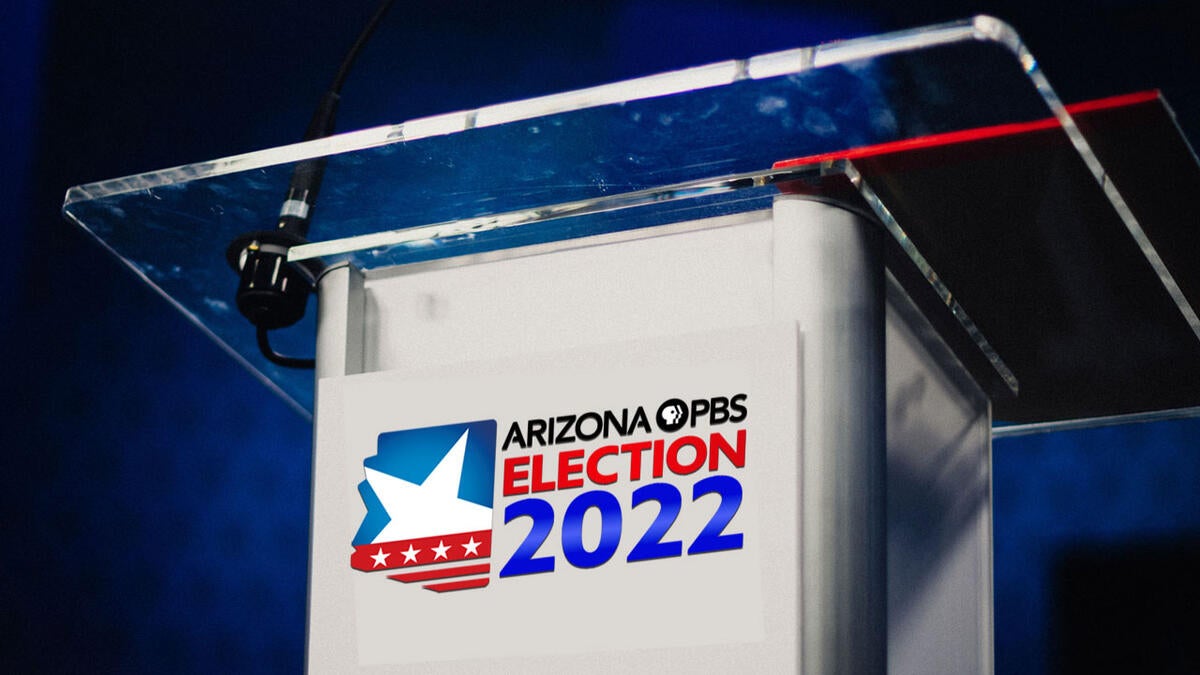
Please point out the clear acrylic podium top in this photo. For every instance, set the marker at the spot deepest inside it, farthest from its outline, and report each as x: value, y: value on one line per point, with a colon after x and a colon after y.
x: 1047, y: 242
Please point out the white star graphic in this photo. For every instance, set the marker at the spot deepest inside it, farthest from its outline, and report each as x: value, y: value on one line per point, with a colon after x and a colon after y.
x: 472, y: 547
x: 431, y: 508
x: 410, y: 555
x: 439, y: 551
x: 380, y: 558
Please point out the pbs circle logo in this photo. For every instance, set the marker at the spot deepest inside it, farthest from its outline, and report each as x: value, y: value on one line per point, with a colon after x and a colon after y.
x: 672, y: 415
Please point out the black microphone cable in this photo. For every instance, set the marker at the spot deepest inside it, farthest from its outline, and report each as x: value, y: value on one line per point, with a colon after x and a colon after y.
x: 273, y: 293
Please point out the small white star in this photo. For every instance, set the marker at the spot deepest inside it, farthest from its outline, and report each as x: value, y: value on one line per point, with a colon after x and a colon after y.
x: 380, y: 558
x: 472, y: 547
x: 410, y: 556
x: 439, y: 551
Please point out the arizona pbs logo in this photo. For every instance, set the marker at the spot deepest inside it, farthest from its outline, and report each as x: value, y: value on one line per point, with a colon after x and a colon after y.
x: 428, y: 494
x: 428, y: 491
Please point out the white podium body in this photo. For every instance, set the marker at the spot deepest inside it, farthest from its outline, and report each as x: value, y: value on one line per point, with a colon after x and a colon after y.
x: 771, y: 327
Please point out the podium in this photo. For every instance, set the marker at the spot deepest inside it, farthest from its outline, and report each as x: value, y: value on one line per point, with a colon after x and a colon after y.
x: 696, y: 372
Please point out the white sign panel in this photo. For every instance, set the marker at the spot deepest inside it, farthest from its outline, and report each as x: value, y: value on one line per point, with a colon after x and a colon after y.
x: 633, y: 502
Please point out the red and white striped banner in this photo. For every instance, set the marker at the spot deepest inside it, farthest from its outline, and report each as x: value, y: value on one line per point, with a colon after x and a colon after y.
x: 449, y: 562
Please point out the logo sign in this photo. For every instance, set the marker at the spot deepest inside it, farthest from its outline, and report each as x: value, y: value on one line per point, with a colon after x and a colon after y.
x: 429, y: 491
x: 428, y: 494
x: 640, y: 507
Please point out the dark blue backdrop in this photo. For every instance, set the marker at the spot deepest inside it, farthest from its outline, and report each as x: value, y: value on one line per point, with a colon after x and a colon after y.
x: 155, y: 497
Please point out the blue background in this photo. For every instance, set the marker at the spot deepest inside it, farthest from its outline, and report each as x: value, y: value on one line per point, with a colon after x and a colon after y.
x: 155, y: 496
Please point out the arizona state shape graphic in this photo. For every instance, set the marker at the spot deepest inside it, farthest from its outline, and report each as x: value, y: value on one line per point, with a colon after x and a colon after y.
x: 428, y: 494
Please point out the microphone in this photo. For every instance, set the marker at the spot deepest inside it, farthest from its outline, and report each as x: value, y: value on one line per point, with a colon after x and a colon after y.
x: 273, y: 293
